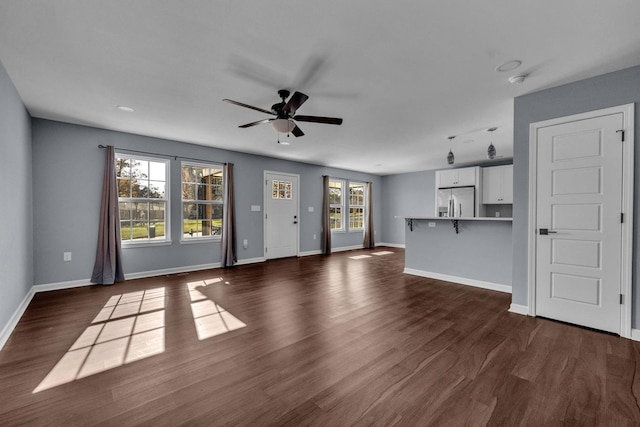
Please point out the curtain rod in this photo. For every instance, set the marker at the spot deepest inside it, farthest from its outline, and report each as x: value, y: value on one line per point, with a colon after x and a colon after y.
x: 102, y: 147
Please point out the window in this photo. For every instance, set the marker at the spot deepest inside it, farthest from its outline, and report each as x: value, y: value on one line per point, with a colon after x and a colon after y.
x: 142, y: 198
x: 201, y: 201
x: 336, y: 205
x: 356, y: 206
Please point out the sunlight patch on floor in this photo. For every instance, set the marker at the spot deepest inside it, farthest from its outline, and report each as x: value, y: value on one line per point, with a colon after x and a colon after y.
x: 360, y: 256
x: 129, y: 327
x: 381, y: 253
x: 209, y: 317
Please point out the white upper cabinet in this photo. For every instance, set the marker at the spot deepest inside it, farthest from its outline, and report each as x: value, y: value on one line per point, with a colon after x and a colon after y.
x: 457, y: 177
x: 497, y: 185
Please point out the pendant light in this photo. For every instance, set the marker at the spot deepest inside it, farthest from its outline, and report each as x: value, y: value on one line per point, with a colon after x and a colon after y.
x: 450, y: 156
x: 491, y: 150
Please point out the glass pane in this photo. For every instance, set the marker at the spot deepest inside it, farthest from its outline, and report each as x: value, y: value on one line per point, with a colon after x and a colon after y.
x: 189, y: 211
x: 123, y: 167
x: 157, y: 171
x: 140, y: 230
x: 156, y: 211
x: 281, y: 189
x: 156, y: 229
x: 188, y: 192
x: 216, y: 190
x: 203, y: 192
x: 125, y: 210
x: 140, y: 188
x: 140, y: 169
x: 156, y: 189
x: 188, y: 174
x: 125, y: 230
x: 190, y: 228
x: 287, y: 190
x: 217, y: 213
x: 274, y: 189
x: 140, y: 212
x: 206, y: 228
x: 124, y: 188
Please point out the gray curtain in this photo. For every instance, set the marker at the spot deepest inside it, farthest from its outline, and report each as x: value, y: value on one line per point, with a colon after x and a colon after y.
x: 326, y: 217
x: 369, y: 240
x: 108, y: 266
x: 229, y: 256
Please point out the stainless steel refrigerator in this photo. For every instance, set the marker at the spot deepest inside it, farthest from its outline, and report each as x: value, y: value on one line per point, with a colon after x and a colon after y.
x: 457, y: 202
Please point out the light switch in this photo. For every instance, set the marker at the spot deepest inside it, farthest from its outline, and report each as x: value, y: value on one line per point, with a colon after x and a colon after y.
x: 310, y: 208
x: 255, y: 208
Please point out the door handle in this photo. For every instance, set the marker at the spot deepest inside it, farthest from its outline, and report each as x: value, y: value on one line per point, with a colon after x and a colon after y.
x: 295, y: 222
x: 546, y: 231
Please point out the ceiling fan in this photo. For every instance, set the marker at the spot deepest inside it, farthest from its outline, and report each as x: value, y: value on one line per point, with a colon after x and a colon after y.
x: 285, y: 114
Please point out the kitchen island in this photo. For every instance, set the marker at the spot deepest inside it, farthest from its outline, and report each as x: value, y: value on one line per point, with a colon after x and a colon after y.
x: 470, y: 251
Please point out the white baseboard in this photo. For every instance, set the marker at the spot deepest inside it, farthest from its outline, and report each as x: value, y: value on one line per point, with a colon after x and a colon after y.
x: 308, y: 253
x: 635, y: 334
x: 61, y: 285
x: 461, y: 280
x: 175, y: 270
x: 347, y: 248
x: 519, y: 309
x: 391, y: 245
x: 250, y: 260
x: 13, y: 321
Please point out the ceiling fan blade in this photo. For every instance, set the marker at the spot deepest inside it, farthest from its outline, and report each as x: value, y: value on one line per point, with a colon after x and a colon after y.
x: 259, y: 122
x: 297, y: 131
x: 296, y: 100
x: 231, y: 101
x: 318, y: 119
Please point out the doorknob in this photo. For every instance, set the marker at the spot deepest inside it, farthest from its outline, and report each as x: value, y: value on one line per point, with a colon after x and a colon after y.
x: 546, y: 231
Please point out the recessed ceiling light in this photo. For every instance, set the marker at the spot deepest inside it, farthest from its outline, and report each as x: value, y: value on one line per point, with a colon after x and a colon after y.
x: 125, y: 108
x: 508, y: 66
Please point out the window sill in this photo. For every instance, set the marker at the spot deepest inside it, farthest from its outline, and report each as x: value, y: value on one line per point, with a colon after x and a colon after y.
x: 131, y: 245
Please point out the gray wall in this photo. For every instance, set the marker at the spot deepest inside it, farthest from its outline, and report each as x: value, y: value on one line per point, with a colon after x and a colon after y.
x: 608, y: 90
x: 405, y: 194
x: 16, y: 243
x: 67, y: 172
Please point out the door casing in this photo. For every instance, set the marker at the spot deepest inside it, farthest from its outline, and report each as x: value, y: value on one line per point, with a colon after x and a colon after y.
x: 627, y: 206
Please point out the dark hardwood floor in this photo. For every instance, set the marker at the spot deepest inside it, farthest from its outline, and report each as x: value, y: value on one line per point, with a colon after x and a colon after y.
x: 325, y: 341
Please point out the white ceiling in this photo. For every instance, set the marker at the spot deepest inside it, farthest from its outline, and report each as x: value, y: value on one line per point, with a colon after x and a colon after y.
x: 404, y: 75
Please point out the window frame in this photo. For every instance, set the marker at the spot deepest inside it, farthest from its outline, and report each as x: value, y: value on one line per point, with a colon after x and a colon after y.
x: 133, y: 243
x: 221, y: 202
x: 363, y: 205
x: 340, y: 205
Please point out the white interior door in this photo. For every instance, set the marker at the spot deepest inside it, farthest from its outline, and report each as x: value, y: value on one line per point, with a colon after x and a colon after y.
x: 281, y: 215
x: 579, y: 203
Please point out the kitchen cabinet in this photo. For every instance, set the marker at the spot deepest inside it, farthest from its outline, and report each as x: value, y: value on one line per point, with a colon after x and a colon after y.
x: 457, y: 177
x: 497, y: 185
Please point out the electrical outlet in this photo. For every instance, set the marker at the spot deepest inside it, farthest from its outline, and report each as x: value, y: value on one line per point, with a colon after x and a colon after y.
x: 67, y: 256
x: 245, y: 243
x: 310, y: 209
x: 314, y: 237
x: 432, y: 224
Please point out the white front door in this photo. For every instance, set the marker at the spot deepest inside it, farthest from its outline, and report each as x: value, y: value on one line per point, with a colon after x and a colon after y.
x: 578, y: 222
x: 282, y: 215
